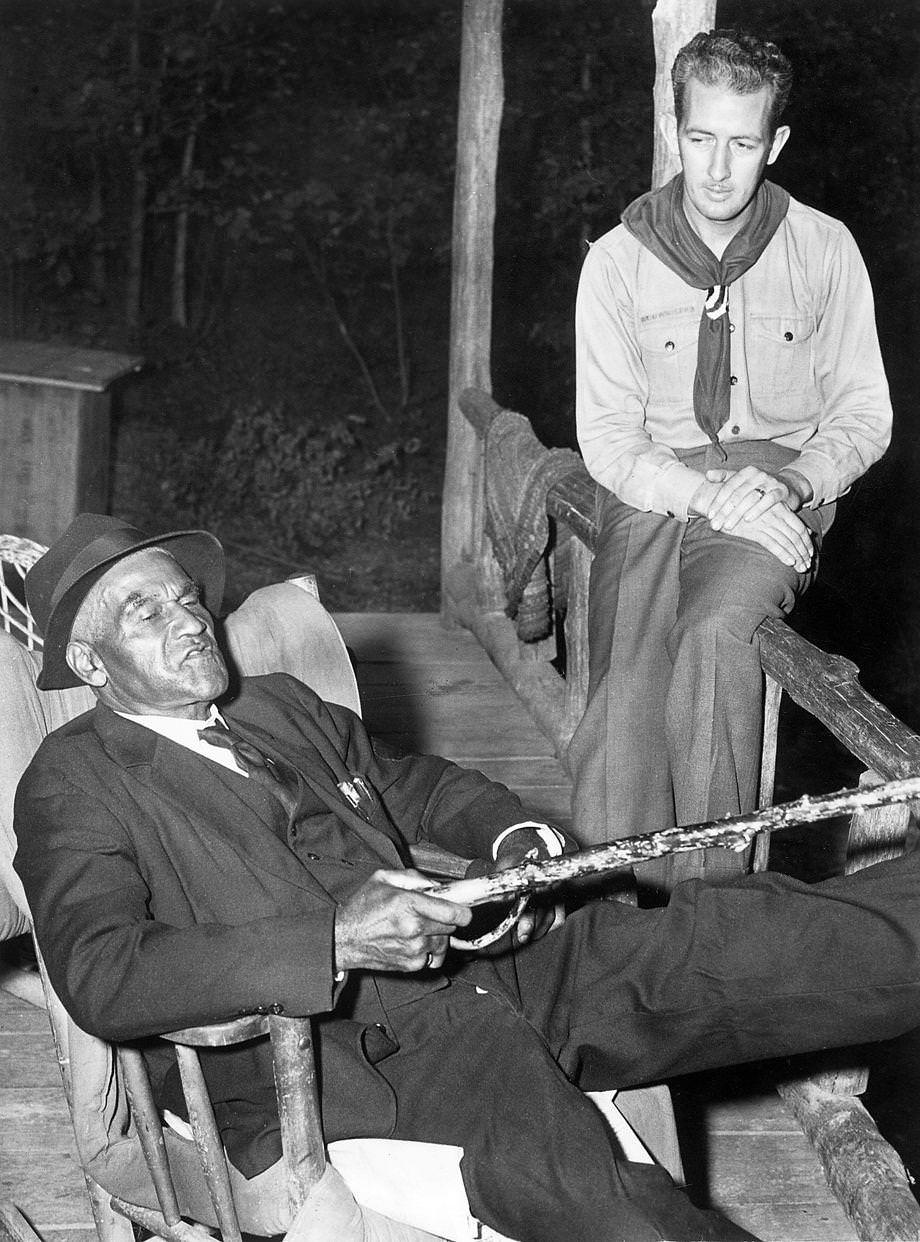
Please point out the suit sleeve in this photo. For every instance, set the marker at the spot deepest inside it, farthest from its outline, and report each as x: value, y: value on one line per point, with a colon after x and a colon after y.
x: 428, y: 798
x: 122, y: 973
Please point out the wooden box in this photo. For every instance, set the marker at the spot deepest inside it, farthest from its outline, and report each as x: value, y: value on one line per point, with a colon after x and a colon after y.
x: 54, y: 434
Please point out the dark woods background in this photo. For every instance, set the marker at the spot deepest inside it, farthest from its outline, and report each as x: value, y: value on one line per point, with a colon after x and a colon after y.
x: 257, y: 196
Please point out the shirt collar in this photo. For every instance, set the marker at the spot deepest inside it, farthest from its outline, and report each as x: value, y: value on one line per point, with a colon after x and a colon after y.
x: 185, y: 733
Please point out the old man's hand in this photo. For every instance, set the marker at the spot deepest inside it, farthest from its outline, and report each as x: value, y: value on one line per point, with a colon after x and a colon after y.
x: 523, y: 845
x: 391, y: 923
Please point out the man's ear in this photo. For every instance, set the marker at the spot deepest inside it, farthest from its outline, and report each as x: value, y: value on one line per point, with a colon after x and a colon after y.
x: 780, y: 138
x: 85, y: 663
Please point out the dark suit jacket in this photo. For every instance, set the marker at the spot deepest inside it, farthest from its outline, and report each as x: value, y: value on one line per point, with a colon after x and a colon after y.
x: 167, y: 891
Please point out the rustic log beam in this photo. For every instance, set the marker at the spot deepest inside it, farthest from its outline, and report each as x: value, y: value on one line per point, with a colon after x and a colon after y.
x: 537, y: 683
x: 876, y: 834
x: 13, y: 1225
x: 574, y: 502
x: 674, y: 23
x: 828, y: 687
x: 478, y: 125
x: 863, y: 1170
x: 479, y: 408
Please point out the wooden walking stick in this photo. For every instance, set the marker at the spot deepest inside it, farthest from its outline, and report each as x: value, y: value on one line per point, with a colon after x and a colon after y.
x: 731, y: 833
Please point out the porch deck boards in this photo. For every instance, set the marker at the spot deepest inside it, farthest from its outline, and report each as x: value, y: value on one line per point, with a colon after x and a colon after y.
x: 434, y: 690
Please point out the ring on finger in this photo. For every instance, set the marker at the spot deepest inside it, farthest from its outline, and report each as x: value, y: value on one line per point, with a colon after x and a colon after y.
x: 429, y: 958
x: 760, y: 491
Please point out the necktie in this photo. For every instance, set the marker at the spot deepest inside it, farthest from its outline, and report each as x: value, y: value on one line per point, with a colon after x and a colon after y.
x: 258, y: 766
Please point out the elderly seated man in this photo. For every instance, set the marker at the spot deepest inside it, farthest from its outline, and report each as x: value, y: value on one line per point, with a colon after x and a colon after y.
x: 192, y: 853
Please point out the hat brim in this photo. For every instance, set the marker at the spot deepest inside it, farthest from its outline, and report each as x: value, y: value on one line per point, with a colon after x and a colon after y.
x: 198, y: 552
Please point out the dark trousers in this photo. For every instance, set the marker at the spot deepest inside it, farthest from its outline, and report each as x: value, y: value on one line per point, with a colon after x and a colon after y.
x: 728, y: 972
x: 672, y: 730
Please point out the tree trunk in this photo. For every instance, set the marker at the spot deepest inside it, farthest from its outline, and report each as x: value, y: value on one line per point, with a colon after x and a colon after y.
x: 674, y: 23
x: 179, y: 297
x: 97, y: 274
x: 317, y: 265
x: 479, y: 121
x: 587, y: 154
x: 138, y: 213
x: 402, y: 353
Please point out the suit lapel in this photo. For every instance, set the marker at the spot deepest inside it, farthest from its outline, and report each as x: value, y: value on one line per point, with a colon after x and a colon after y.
x: 319, y: 767
x: 204, y: 797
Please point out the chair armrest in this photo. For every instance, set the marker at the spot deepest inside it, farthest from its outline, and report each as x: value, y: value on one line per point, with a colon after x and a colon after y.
x: 220, y: 1034
x: 436, y: 861
x: 297, y: 1093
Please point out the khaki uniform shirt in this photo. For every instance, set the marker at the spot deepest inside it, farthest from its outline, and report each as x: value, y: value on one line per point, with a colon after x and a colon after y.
x: 806, y: 366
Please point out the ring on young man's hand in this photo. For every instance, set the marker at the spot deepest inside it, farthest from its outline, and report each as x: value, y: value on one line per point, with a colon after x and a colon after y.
x: 429, y: 958
x: 760, y: 491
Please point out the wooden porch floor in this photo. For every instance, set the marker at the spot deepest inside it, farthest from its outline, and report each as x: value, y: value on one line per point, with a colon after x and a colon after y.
x: 433, y: 690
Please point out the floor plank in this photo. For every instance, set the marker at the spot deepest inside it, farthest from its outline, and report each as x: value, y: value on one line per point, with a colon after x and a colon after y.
x: 27, y: 1061
x: 48, y: 1188
x: 39, y: 1171
x: 407, y: 638
x: 15, y: 1016
x: 792, y: 1222
x: 34, y: 1121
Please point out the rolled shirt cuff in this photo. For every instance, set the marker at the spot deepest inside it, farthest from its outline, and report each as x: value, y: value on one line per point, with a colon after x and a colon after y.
x: 551, y: 838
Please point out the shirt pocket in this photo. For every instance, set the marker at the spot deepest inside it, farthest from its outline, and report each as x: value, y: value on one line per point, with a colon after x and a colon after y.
x: 780, y: 355
x: 668, y: 346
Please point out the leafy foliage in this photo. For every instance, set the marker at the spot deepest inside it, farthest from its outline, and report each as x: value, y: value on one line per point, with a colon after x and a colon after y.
x: 309, y: 484
x: 309, y: 146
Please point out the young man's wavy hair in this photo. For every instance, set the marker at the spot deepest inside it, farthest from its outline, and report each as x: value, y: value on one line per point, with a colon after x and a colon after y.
x: 737, y: 61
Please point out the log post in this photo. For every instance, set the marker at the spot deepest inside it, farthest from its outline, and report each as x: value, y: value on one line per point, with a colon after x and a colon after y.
x: 772, y: 700
x: 576, y: 637
x: 862, y: 1169
x: 674, y: 23
x: 876, y: 834
x: 479, y: 121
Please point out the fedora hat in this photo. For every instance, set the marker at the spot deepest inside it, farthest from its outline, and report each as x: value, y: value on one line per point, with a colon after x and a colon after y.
x: 59, y: 581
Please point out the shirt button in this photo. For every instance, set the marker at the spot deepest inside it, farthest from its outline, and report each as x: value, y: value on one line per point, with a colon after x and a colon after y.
x: 733, y: 381
x: 669, y: 347
x: 735, y: 429
x: 787, y: 336
x: 312, y: 857
x: 731, y: 327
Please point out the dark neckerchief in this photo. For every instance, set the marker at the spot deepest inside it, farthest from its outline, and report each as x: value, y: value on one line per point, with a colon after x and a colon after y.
x: 657, y: 219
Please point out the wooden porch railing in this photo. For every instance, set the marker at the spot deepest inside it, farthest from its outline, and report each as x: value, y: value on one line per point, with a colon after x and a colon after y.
x: 551, y: 676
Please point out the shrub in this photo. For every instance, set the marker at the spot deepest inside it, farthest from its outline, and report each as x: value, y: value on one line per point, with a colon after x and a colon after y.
x: 268, y: 476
